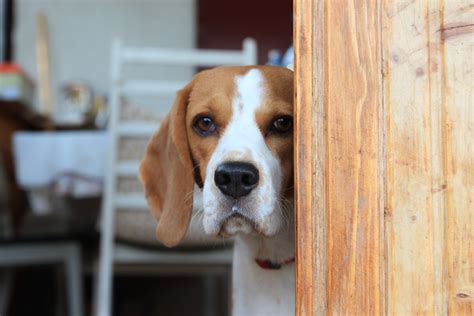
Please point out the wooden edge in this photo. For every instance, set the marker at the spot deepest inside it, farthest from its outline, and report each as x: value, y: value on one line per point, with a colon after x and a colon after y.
x: 310, y: 158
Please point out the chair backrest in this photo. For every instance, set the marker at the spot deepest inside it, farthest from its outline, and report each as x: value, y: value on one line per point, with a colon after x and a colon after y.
x: 120, y: 87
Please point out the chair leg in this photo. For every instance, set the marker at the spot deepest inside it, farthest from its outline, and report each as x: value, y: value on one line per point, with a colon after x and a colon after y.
x: 210, y: 292
x: 230, y: 291
x: 5, y: 287
x: 95, y: 287
x: 103, y: 295
x: 73, y: 271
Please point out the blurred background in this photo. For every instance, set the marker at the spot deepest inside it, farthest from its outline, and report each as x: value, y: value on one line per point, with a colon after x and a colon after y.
x: 83, y: 84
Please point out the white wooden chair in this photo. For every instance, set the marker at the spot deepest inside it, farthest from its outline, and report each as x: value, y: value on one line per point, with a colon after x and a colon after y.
x: 111, y: 252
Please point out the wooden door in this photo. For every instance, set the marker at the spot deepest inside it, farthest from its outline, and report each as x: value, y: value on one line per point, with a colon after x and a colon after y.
x: 384, y: 157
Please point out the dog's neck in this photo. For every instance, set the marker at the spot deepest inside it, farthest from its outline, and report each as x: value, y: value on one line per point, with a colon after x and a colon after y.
x: 256, y: 290
x: 261, y: 291
x: 278, y: 249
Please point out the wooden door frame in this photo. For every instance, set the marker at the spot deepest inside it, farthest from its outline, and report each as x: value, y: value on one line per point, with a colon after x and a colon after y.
x: 310, y: 152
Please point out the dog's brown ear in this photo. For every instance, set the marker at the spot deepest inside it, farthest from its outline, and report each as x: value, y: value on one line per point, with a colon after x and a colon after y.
x: 166, y: 173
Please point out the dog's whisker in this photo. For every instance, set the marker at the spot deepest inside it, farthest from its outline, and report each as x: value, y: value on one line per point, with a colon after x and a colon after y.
x: 188, y: 196
x: 285, y: 210
x: 197, y: 214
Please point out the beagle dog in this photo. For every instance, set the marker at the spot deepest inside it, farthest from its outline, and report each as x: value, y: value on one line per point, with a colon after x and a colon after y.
x: 227, y: 144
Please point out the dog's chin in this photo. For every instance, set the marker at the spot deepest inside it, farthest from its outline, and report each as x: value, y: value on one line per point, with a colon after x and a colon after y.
x: 237, y: 224
x: 234, y: 219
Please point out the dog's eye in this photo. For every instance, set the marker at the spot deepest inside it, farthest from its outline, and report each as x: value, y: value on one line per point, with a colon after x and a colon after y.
x: 282, y: 125
x: 204, y: 125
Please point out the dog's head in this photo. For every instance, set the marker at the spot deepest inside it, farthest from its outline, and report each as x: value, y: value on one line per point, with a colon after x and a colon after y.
x: 230, y: 131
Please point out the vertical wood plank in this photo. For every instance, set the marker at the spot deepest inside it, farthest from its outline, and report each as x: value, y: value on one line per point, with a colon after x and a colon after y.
x: 410, y: 219
x: 310, y: 166
x: 338, y: 160
x: 457, y: 89
x: 428, y: 59
x: 353, y: 157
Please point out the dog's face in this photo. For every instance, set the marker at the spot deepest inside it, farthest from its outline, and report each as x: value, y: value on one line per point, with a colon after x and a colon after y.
x: 236, y: 141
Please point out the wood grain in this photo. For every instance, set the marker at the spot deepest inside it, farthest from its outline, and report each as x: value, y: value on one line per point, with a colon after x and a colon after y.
x: 457, y: 142
x: 353, y: 156
x: 338, y: 158
x: 410, y: 220
x: 384, y: 157
x: 310, y: 161
x: 428, y: 53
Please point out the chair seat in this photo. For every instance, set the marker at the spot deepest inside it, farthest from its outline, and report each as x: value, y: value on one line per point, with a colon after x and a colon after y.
x: 138, y: 227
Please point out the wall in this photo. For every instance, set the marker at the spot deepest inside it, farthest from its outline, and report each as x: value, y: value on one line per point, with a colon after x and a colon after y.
x: 81, y: 32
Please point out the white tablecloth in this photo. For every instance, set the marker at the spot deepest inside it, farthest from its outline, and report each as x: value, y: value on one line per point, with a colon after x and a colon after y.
x: 41, y: 157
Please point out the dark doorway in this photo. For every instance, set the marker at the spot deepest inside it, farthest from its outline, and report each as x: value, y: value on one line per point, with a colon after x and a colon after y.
x: 224, y: 24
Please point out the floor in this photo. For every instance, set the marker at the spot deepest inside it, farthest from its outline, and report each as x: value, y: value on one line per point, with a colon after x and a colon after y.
x: 39, y: 291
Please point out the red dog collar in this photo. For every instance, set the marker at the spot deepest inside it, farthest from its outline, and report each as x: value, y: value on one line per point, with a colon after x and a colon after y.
x: 270, y: 265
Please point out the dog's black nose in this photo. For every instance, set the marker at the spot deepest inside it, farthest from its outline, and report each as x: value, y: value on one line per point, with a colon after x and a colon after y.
x: 236, y: 179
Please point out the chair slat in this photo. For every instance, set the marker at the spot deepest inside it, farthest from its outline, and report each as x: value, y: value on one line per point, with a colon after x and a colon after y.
x: 131, y: 201
x: 190, y: 57
x: 151, y: 87
x: 128, y: 168
x: 137, y: 129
